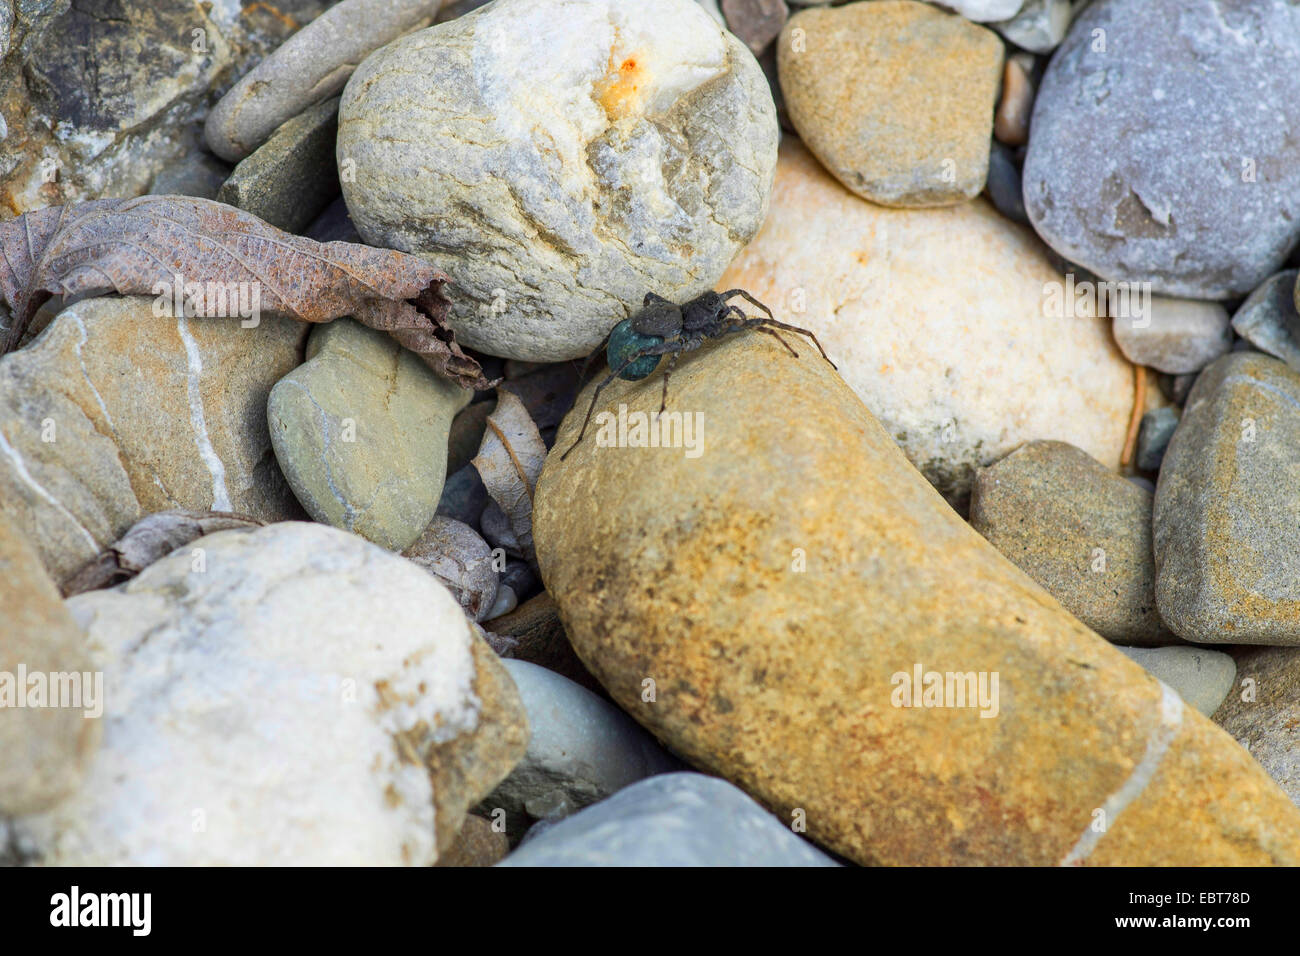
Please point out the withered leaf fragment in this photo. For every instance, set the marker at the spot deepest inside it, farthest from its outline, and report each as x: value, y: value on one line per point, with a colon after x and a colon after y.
x: 148, y: 540
x: 134, y: 246
x: 510, y: 461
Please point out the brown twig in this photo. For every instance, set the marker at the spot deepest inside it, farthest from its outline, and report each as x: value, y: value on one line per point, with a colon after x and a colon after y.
x: 1135, y: 419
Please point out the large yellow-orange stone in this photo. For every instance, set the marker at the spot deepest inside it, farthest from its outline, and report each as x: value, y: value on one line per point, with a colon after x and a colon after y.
x: 751, y: 603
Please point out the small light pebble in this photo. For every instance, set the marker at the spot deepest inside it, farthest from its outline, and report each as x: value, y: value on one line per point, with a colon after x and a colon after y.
x: 1174, y: 335
x: 1202, y: 677
x: 984, y: 10
x: 581, y: 749
x: 1040, y: 26
x: 672, y: 820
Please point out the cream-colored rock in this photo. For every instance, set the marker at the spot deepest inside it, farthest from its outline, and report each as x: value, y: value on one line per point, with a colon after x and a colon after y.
x: 559, y: 159
x: 942, y: 320
x: 114, y: 413
x: 291, y: 695
x: 45, y: 740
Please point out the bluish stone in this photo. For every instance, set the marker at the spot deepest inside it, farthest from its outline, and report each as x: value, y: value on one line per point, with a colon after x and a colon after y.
x: 1153, y: 437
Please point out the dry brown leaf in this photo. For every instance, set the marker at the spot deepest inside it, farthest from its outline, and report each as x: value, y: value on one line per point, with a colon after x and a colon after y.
x: 510, y: 461
x: 132, y: 246
x: 148, y: 540
x: 456, y: 555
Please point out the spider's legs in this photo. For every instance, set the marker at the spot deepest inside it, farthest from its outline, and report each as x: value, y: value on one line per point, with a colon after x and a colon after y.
x: 594, y: 396
x: 586, y: 363
x: 663, y: 348
x: 668, y: 370
x: 795, y: 328
x: 748, y: 298
x: 760, y: 327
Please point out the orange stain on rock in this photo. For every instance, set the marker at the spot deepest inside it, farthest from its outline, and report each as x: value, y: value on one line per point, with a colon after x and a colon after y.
x: 619, y: 93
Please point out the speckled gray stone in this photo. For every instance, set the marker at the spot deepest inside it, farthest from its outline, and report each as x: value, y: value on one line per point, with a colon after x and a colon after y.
x: 1079, y: 530
x: 679, y: 819
x: 1263, y: 711
x: 6, y: 25
x: 559, y: 159
x: 1174, y: 335
x: 1202, y: 677
x: 1162, y: 146
x: 1268, y: 319
x: 1226, y: 505
x: 581, y: 749
x: 1153, y: 437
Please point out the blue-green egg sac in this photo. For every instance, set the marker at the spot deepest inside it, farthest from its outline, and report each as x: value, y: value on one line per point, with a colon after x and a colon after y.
x: 623, y: 343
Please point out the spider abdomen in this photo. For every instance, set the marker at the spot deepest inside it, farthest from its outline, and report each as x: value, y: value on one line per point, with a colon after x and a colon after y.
x: 624, y: 342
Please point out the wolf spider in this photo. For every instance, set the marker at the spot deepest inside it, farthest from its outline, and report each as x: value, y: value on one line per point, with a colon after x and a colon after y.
x: 635, y: 346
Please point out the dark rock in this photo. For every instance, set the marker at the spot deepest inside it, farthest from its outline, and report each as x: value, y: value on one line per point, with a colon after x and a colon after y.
x: 1003, y: 186
x: 290, y: 179
x: 1153, y: 437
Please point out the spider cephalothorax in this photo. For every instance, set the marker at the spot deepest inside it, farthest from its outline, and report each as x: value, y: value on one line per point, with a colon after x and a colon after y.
x: 635, y: 346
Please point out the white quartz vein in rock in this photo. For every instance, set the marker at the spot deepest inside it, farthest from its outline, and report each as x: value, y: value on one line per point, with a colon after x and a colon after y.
x: 1171, y: 720
x: 213, y: 462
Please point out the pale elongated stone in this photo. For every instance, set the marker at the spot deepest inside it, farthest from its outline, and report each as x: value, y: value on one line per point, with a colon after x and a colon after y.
x: 947, y: 365
x: 1224, y: 524
x: 45, y: 743
x: 762, y: 608
x: 559, y: 159
x: 115, y: 412
x: 311, y: 66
